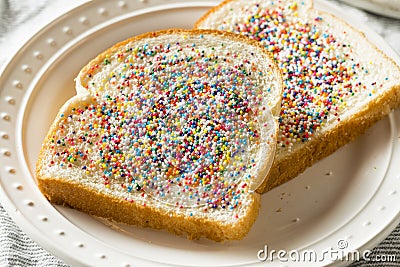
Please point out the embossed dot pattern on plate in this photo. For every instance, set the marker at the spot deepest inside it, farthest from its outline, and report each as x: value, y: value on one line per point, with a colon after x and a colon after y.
x: 10, y: 100
x: 17, y: 84
x: 52, y: 42
x: 67, y: 30
x: 19, y: 187
x: 122, y: 4
x: 38, y: 55
x: 367, y: 223
x: 102, y: 11
x: 26, y: 69
x: 84, y: 20
x: 6, y: 117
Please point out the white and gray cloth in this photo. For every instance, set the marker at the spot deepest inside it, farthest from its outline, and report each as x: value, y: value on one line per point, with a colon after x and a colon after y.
x: 16, y: 248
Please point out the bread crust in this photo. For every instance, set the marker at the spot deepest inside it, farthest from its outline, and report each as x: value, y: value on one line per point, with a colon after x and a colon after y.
x: 209, y: 13
x: 73, y: 194
x: 115, y: 209
x: 80, y: 82
x: 197, y: 24
x: 325, y: 143
x: 140, y: 213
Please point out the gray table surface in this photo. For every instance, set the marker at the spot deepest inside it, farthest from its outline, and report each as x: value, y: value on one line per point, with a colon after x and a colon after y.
x: 16, y: 248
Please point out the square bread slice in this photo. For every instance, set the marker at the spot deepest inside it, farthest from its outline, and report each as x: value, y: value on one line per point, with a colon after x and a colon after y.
x: 170, y: 130
x: 337, y: 83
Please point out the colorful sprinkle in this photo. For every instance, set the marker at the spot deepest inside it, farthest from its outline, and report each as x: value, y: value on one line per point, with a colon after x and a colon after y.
x: 179, y: 126
x: 319, y: 72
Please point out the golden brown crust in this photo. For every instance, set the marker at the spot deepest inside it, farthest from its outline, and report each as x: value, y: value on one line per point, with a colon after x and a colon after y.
x: 217, y: 7
x: 99, y: 204
x: 232, y: 36
x: 323, y: 145
x: 227, y: 35
x: 210, y: 12
x: 105, y: 205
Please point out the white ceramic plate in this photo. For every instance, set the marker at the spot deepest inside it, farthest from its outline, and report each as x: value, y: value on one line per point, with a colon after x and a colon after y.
x: 347, y: 201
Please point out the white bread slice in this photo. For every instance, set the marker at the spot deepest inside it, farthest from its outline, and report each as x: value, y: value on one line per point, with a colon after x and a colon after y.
x: 337, y: 84
x: 171, y: 130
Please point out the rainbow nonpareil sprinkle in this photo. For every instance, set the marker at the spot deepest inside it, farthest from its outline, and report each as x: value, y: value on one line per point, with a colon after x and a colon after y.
x: 170, y: 121
x: 319, y: 70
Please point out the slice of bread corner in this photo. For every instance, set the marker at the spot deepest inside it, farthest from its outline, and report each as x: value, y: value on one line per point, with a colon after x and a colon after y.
x: 170, y: 130
x: 337, y: 83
